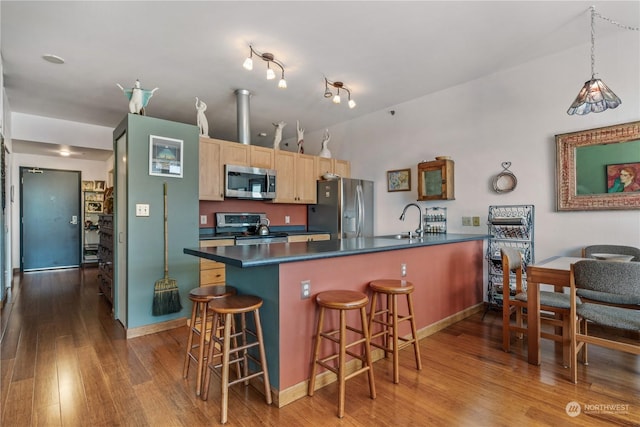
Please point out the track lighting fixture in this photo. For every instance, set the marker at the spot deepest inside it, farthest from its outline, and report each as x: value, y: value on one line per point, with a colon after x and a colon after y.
x: 269, y: 59
x: 336, y: 98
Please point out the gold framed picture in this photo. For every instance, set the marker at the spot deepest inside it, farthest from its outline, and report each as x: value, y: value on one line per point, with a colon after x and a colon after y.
x: 598, y: 169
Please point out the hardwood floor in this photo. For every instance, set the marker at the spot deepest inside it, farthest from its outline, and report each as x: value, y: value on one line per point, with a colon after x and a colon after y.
x: 65, y: 361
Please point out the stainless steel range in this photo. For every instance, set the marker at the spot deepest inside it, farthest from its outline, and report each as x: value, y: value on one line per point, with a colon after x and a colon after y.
x: 242, y: 227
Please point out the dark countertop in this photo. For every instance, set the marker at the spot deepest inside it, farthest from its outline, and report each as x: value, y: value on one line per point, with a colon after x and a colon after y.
x: 278, y: 253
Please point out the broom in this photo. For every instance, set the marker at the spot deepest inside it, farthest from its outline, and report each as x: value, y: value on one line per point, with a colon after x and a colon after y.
x: 166, y: 295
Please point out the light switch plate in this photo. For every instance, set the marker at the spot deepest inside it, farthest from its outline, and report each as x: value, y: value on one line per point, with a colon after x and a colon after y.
x: 142, y: 209
x: 476, y: 221
x: 203, y: 219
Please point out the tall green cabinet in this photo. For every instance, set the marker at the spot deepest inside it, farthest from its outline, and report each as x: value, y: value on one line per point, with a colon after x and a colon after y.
x: 149, y: 152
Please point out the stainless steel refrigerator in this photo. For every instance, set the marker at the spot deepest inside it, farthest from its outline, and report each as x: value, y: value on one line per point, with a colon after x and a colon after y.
x: 344, y: 208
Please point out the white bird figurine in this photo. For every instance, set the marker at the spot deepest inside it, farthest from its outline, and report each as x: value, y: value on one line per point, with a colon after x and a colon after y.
x: 201, y: 119
x: 277, y: 137
x: 325, y: 141
x: 300, y: 132
x: 138, y: 97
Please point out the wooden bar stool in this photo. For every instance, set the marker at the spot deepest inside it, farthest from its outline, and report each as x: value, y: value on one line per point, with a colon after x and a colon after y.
x: 342, y: 301
x: 389, y: 318
x: 200, y: 326
x: 220, y: 347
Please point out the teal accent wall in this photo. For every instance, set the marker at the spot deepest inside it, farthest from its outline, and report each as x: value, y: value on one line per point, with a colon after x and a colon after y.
x: 145, y: 242
x: 592, y: 161
x: 263, y: 282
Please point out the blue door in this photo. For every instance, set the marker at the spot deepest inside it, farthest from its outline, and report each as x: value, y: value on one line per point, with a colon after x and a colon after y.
x: 50, y: 213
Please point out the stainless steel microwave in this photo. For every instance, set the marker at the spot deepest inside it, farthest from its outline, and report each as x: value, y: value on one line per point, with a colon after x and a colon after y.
x: 243, y: 182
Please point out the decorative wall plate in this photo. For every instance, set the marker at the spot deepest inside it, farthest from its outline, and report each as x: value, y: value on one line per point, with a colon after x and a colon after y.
x: 505, y: 181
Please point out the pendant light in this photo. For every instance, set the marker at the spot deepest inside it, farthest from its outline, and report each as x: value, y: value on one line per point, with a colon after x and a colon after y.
x: 595, y: 96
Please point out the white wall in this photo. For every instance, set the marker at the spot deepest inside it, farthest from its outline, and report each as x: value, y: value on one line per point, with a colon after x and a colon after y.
x: 90, y: 170
x: 28, y: 127
x: 508, y: 116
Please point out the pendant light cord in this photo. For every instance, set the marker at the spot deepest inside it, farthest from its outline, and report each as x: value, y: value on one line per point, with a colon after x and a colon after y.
x: 593, y: 35
x: 611, y: 21
x: 593, y: 42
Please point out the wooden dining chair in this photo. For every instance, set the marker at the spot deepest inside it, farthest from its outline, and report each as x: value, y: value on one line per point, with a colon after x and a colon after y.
x: 613, y: 290
x: 514, y: 297
x: 589, y: 251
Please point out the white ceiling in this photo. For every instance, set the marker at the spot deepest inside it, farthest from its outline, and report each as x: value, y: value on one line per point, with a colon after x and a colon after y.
x: 386, y: 52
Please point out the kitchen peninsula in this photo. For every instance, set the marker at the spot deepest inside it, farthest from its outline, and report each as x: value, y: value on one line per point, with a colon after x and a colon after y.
x: 446, y: 270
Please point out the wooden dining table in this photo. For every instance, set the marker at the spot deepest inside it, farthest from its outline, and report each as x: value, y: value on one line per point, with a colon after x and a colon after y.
x: 552, y: 271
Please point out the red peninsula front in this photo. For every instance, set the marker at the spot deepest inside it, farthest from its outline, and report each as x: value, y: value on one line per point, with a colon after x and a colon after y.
x: 446, y: 270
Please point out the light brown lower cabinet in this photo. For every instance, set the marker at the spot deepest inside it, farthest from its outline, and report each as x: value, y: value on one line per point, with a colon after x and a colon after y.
x: 213, y: 272
x: 308, y: 238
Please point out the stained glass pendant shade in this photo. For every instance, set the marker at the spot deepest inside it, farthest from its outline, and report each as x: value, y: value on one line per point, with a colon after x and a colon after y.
x: 595, y: 96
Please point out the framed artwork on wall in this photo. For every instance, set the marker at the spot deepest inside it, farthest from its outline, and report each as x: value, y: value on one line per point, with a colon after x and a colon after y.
x: 399, y: 180
x: 591, y: 166
x: 165, y: 156
x: 623, y: 178
x: 95, y: 207
x: 87, y: 185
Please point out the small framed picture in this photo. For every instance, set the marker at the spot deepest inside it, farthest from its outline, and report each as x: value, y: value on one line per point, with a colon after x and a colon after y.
x: 165, y: 156
x: 623, y: 178
x: 399, y: 180
x: 93, y: 197
x: 98, y: 185
x: 95, y: 207
x: 87, y: 185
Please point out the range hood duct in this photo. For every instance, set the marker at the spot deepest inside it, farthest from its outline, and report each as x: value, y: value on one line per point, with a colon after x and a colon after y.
x: 242, y: 103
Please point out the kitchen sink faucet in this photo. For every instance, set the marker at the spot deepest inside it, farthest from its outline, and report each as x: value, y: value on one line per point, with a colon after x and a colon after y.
x: 419, y: 230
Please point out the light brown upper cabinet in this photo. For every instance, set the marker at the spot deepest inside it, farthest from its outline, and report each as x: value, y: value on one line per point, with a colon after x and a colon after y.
x: 338, y: 167
x: 306, y: 187
x: 296, y: 177
x: 435, y: 180
x: 342, y: 168
x: 262, y: 157
x: 211, y: 176
x: 234, y: 153
x: 326, y: 165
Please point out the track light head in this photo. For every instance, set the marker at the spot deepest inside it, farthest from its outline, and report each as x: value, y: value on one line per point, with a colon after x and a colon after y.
x: 336, y: 98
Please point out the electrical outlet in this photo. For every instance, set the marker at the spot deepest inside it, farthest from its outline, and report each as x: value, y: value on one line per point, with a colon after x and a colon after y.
x: 476, y: 221
x: 142, y: 209
x: 305, y: 289
x: 466, y: 220
x: 403, y: 270
x: 287, y: 219
x: 203, y: 219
